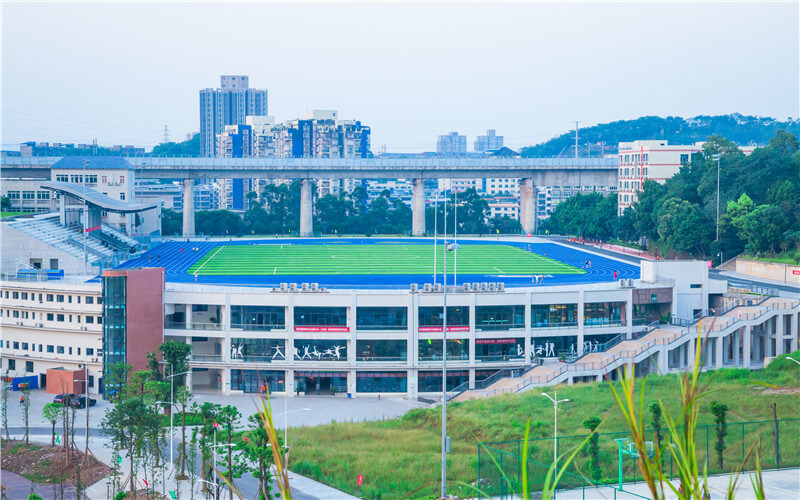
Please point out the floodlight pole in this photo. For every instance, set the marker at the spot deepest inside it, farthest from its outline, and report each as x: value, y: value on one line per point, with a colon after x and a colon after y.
x: 444, y: 363
x: 455, y: 239
x: 85, y: 217
x: 555, y: 401
x: 717, y: 157
x: 435, y: 230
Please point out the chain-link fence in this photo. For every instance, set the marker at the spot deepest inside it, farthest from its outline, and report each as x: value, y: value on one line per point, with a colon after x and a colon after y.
x: 500, y: 464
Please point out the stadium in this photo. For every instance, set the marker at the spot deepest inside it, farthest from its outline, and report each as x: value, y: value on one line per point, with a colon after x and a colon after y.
x: 365, y: 316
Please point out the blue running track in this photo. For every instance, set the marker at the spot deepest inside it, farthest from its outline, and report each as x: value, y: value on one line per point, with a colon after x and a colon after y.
x: 176, y: 264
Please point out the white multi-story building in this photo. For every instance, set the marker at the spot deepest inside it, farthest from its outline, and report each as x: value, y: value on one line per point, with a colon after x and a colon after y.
x: 489, y: 142
x: 652, y: 159
x: 51, y: 324
x: 451, y: 144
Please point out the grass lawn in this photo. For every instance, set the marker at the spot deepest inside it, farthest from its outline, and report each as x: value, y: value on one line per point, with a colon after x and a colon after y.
x: 400, y: 458
x: 3, y: 215
x: 789, y: 257
x: 380, y: 258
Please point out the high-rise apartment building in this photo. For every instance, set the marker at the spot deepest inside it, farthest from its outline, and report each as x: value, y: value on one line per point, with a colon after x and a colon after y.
x: 228, y: 105
x: 451, y: 144
x: 489, y: 142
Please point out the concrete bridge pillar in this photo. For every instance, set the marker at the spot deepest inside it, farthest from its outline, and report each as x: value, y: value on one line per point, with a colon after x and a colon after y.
x: 306, y: 209
x: 188, y: 208
x: 527, y: 205
x: 418, y: 209
x: 747, y: 346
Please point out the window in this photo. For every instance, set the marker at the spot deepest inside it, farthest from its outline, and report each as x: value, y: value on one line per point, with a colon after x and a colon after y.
x: 695, y: 285
x: 59, y: 317
x: 433, y: 316
x: 59, y: 298
x: 382, y: 318
x: 43, y: 195
x: 50, y: 349
x: 90, y: 319
x: 78, y: 298
x: 16, y: 345
x: 76, y: 178
x: 62, y: 178
x: 432, y: 381
x: 122, y: 196
x: 431, y: 349
x: 28, y: 195
x: 13, y: 195
x: 90, y: 351
x: 12, y: 365
x: 24, y: 295
x: 24, y: 346
x: 90, y: 300
x: 122, y: 180
x: 684, y: 159
x: 488, y: 318
x: 381, y: 350
x: 258, y: 350
x: 320, y: 316
x: 381, y: 382
x: 91, y: 380
x: 29, y: 366
x: 60, y: 349
x: 14, y: 295
x: 604, y: 314
x: 258, y: 317
x: 103, y: 179
x: 91, y: 179
x: 70, y: 350
x: 50, y: 317
x: 554, y: 315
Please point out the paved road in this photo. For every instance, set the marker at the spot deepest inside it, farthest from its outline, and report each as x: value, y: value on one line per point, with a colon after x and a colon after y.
x: 17, y: 487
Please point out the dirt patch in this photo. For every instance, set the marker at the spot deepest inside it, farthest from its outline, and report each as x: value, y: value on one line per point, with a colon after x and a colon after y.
x: 782, y: 390
x: 46, y: 464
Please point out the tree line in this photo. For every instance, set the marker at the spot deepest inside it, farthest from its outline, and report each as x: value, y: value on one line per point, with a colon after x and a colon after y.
x: 759, y: 200
x: 277, y: 212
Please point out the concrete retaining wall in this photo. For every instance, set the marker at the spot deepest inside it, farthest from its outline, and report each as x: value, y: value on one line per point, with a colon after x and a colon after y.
x: 767, y: 270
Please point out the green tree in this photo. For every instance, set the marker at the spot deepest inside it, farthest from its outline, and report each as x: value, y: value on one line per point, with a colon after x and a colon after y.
x: 177, y: 355
x: 171, y: 222
x: 720, y: 412
x: 115, y: 379
x: 5, y: 204
x: 26, y: 407
x: 227, y: 419
x: 258, y: 455
x: 190, y: 147
x: 51, y: 413
x: 655, y: 422
x: 130, y: 425
x: 763, y: 228
x: 592, y: 423
x: 682, y: 227
x: 504, y: 225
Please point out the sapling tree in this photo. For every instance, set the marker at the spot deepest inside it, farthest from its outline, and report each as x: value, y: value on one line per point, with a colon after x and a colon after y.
x: 228, y: 419
x: 720, y: 412
x: 182, y: 398
x: 655, y: 412
x: 258, y: 454
x: 4, y: 402
x: 26, y: 408
x: 51, y: 413
x: 592, y: 423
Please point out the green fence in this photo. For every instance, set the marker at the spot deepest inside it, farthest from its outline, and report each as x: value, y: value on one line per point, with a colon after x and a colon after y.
x: 779, y: 446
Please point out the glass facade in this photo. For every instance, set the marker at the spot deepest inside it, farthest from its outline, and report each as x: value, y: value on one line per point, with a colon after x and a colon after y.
x: 259, y: 318
x: 604, y: 314
x: 258, y: 350
x: 258, y: 381
x: 431, y: 350
x: 382, y: 318
x: 550, y: 347
x: 320, y: 316
x: 488, y: 350
x: 554, y: 315
x: 493, y: 318
x: 432, y: 316
x: 320, y: 350
x: 114, y: 326
x: 381, y: 382
x: 381, y: 350
x: 431, y: 381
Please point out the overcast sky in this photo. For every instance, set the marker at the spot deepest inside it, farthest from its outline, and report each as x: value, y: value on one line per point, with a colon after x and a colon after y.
x: 121, y: 72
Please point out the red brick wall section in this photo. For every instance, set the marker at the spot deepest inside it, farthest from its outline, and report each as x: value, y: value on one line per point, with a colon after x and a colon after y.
x: 65, y: 381
x: 145, y: 311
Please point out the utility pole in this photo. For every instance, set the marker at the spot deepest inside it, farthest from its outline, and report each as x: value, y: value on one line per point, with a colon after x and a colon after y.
x: 444, y: 363
x: 717, y: 157
x: 85, y: 216
x: 166, y: 134
x: 576, y: 139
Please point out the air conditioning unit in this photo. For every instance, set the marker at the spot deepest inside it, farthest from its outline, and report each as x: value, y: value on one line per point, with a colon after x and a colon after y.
x: 484, y: 286
x: 466, y: 287
x: 284, y: 287
x: 437, y: 287
x: 414, y: 287
x: 492, y: 286
x: 292, y: 287
x: 304, y: 287
x: 426, y: 288
x: 501, y: 286
x: 314, y: 287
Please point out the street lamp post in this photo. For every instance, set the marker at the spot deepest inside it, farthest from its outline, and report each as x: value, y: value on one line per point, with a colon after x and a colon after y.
x: 171, y: 405
x: 286, y: 420
x: 717, y: 157
x: 555, y: 401
x: 444, y: 362
x: 86, y: 401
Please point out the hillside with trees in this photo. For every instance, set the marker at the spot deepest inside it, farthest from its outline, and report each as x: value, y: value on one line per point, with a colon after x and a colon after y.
x: 759, y: 205
x: 742, y: 130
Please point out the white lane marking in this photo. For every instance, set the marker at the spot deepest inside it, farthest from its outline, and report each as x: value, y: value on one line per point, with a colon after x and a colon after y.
x: 209, y: 259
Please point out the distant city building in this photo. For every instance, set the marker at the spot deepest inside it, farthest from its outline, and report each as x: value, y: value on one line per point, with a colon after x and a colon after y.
x: 61, y: 149
x: 653, y: 159
x: 451, y: 144
x: 489, y: 142
x: 228, y: 105
x: 500, y: 206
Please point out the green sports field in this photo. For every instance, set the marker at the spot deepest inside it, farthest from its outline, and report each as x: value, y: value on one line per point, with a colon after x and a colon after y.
x: 381, y: 258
